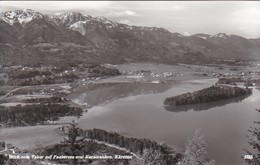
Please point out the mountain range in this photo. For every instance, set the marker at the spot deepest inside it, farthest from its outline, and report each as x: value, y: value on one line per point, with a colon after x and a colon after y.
x: 30, y: 37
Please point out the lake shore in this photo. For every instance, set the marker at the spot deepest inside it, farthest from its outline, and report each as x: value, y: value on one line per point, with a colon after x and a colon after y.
x: 26, y: 137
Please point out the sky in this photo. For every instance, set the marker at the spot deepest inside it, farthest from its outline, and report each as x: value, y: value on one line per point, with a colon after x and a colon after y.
x: 210, y: 17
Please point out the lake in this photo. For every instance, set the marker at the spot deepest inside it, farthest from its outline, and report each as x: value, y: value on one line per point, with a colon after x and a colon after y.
x: 224, y: 124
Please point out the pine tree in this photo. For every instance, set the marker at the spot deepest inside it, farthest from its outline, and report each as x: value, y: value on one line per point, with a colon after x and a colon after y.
x: 195, y: 151
x: 254, y: 141
x: 74, y: 141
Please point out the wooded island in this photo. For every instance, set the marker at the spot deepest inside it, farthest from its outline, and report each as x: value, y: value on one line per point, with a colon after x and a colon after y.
x: 213, y: 93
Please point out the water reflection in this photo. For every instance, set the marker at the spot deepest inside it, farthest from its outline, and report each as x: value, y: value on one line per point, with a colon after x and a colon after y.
x: 107, y: 92
x: 205, y: 106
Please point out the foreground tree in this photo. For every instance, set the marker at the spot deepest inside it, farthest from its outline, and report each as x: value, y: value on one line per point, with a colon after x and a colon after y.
x: 149, y: 157
x: 74, y: 140
x: 3, y: 159
x: 195, y: 151
x: 253, y: 156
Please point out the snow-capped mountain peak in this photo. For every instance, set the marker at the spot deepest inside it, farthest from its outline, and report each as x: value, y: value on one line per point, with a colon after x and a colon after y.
x: 21, y: 16
x: 222, y: 35
x: 68, y: 18
x: 79, y: 26
x: 177, y: 35
x: 108, y: 23
x: 186, y: 34
x: 202, y: 36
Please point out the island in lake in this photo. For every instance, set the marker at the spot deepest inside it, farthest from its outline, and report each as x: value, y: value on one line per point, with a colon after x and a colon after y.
x: 213, y: 93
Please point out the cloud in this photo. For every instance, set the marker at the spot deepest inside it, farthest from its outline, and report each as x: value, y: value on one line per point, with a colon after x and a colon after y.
x: 55, y: 5
x: 125, y: 13
x: 128, y: 12
x: 125, y: 21
x: 251, y: 16
x: 247, y: 20
x: 177, y: 8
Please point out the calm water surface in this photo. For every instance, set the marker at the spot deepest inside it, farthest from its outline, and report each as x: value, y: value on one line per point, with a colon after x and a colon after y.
x: 224, y: 127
